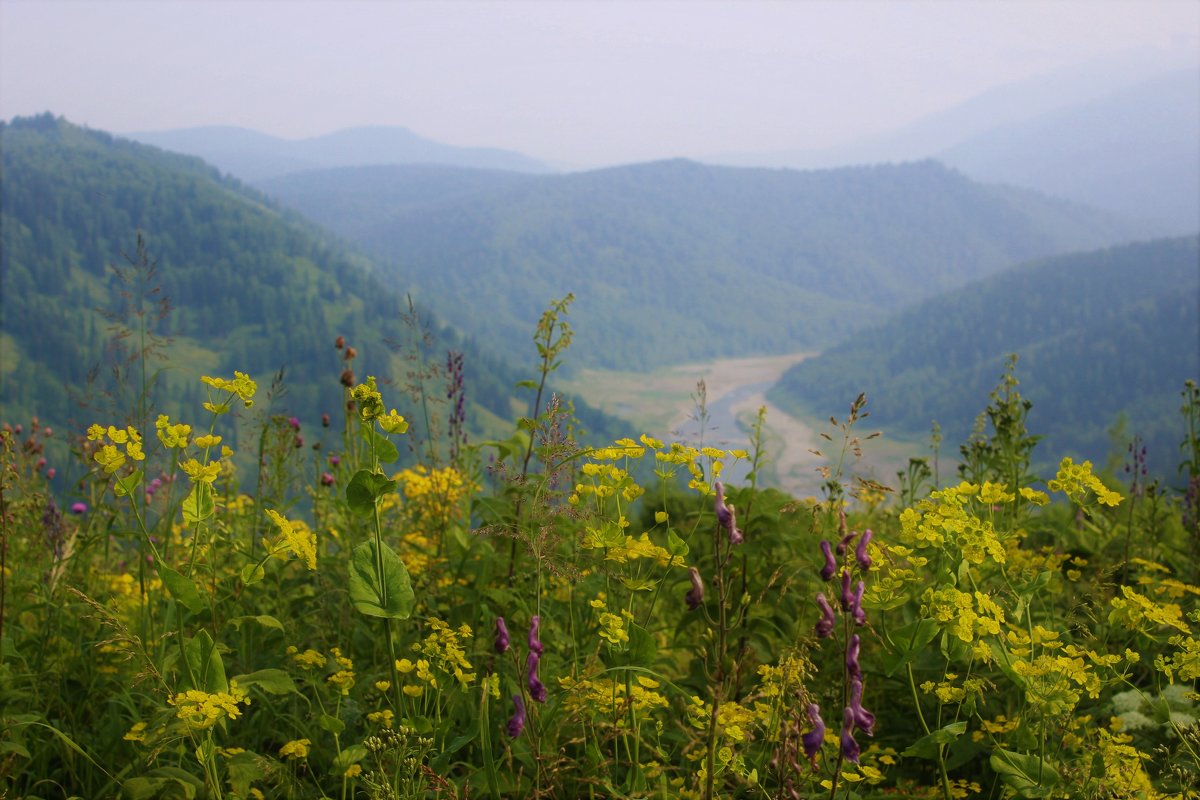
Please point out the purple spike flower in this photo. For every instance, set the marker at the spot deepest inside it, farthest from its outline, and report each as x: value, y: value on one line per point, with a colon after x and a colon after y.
x: 850, y: 748
x: 695, y: 596
x: 502, y: 640
x: 537, y: 689
x: 860, y: 616
x: 861, y: 553
x: 726, y: 515
x: 863, y: 720
x: 847, y: 591
x: 813, y: 740
x: 852, y: 667
x: 844, y: 544
x: 830, y: 568
x: 827, y: 621
x: 516, y: 723
x: 535, y: 644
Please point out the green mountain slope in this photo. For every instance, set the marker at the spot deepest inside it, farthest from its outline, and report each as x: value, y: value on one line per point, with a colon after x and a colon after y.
x: 1098, y: 334
x: 675, y: 261
x: 252, y: 288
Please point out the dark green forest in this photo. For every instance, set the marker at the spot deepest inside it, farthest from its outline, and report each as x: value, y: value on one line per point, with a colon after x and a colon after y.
x: 249, y: 287
x: 676, y: 261
x: 1101, y: 336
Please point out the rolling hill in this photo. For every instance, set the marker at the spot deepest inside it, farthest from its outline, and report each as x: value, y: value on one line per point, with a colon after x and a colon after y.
x: 1099, y: 334
x: 677, y: 261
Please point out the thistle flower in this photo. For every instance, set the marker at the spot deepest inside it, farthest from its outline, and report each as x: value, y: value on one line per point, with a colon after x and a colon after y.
x: 860, y: 552
x: 813, y: 740
x: 502, y: 641
x: 850, y: 748
x: 516, y: 723
x: 695, y: 596
x: 852, y: 667
x: 79, y: 508
x: 537, y: 689
x: 294, y: 423
x: 830, y: 568
x: 827, y: 621
x: 863, y: 720
x: 326, y: 479
x: 856, y: 609
x: 535, y: 644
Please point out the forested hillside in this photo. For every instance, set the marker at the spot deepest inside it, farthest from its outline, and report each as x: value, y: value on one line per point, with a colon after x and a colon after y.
x: 250, y: 288
x: 675, y: 261
x: 1098, y: 334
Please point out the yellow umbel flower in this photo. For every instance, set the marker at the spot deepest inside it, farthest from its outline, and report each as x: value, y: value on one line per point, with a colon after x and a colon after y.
x: 200, y: 710
x: 296, y: 748
x: 241, y: 386
x: 300, y: 540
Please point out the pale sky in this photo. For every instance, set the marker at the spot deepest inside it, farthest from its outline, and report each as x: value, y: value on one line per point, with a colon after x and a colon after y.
x: 575, y: 82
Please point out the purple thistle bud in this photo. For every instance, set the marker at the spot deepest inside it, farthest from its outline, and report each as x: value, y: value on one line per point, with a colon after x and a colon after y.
x: 850, y: 748
x: 827, y: 621
x: 535, y: 644
x: 844, y: 544
x: 860, y: 552
x: 79, y: 508
x: 695, y: 596
x: 852, y: 667
x: 830, y: 568
x: 502, y: 640
x: 863, y: 720
x: 334, y: 461
x: 516, y: 723
x: 847, y: 591
x: 327, y: 479
x: 294, y: 422
x: 813, y: 740
x: 860, y: 616
x: 536, y: 689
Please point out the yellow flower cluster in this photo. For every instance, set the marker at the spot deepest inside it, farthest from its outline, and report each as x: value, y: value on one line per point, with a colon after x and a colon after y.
x: 370, y: 401
x: 945, y: 519
x: 296, y: 537
x: 172, y: 435
x: 612, y: 627
x: 1076, y: 480
x: 443, y: 649
x: 964, y: 614
x: 1138, y: 612
x: 434, y: 496
x: 200, y: 710
x: 109, y: 456
x: 309, y: 659
x: 296, y: 748
x: 343, y: 679
x: 642, y: 547
x: 611, y: 697
x: 240, y: 386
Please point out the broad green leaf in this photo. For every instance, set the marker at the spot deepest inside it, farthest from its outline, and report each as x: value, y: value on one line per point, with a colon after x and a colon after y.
x: 929, y: 746
x: 639, y: 584
x: 271, y: 681
x: 349, y: 756
x: 252, y: 574
x: 383, y: 448
x: 198, y: 505
x: 675, y: 545
x: 204, y: 661
x: 908, y: 641
x: 365, y: 488
x: 331, y: 724
x: 266, y: 620
x: 393, y: 596
x: 1026, y: 773
x: 182, y: 589
x: 126, y: 485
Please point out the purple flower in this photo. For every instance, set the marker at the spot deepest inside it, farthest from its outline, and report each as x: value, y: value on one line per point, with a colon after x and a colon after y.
x: 516, y: 723
x: 536, y: 689
x: 863, y: 720
x: 502, y: 640
x: 850, y: 748
x: 844, y: 544
x: 294, y: 422
x: 327, y: 479
x: 695, y: 596
x: 852, y: 667
x: 847, y: 591
x: 79, y: 508
x: 324, y: 420
x: 860, y: 616
x: 813, y: 740
x: 827, y: 621
x: 727, y: 516
x: 860, y: 552
x: 830, y: 568
x: 535, y: 644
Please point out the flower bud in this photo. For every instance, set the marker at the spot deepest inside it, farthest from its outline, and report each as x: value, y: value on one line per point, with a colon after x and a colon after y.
x: 850, y: 748
x: 500, y: 645
x: 535, y: 644
x: 813, y: 740
x: 830, y: 568
x: 861, y: 553
x: 695, y: 596
x: 536, y: 689
x: 827, y: 621
x: 516, y: 723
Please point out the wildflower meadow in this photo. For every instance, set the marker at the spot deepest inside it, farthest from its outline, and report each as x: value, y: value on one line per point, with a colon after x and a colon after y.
x: 369, y: 604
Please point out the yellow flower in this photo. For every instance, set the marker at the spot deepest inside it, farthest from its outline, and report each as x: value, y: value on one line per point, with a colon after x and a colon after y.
x: 200, y: 710
x: 296, y: 748
x: 310, y: 659
x: 392, y: 422
x: 110, y: 458
x: 353, y: 771
x: 172, y: 435
x: 137, y: 733
x: 300, y: 540
x: 201, y: 473
x: 383, y: 718
x: 370, y: 401
x: 241, y: 386
x: 208, y: 441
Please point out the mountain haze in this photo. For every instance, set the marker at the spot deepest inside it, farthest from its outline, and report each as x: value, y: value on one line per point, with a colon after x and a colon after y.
x: 677, y: 261
x: 251, y: 156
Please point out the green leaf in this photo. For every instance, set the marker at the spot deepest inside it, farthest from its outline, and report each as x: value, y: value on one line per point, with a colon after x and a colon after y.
x: 198, y: 505
x: 271, y: 681
x: 252, y: 574
x: 126, y: 486
x: 365, y: 488
x: 331, y: 724
x: 393, y: 596
x: 182, y: 589
x: 1021, y: 772
x: 929, y: 746
x: 675, y: 545
x: 639, y: 584
x: 266, y: 620
x: 204, y: 662
x: 383, y: 448
x: 349, y: 756
x: 908, y: 642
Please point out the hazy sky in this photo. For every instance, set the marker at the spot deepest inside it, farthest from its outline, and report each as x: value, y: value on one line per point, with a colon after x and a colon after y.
x: 573, y: 82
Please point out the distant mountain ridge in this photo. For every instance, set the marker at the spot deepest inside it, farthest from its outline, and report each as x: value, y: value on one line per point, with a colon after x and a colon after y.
x: 677, y: 261
x: 253, y: 156
x: 1099, y: 333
